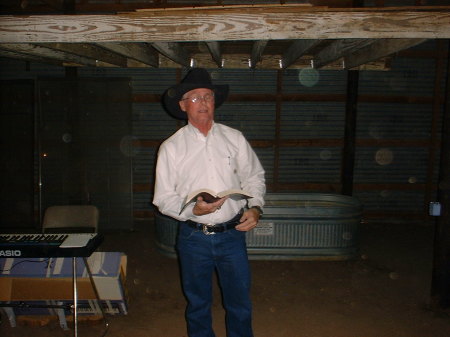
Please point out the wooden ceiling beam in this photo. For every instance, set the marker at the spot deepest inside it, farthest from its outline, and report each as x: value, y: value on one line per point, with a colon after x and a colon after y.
x: 377, y: 49
x: 91, y: 51
x: 49, y: 53
x: 257, y: 52
x: 296, y: 50
x: 337, y: 49
x: 141, y: 52
x: 241, y: 61
x: 31, y: 58
x: 214, y: 49
x: 228, y: 24
x: 175, y: 52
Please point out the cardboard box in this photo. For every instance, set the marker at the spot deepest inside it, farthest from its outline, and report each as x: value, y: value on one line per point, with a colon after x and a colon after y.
x: 30, y: 284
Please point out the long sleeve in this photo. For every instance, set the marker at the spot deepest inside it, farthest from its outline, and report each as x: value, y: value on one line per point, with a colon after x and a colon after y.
x: 251, y: 174
x: 223, y: 160
x: 165, y: 196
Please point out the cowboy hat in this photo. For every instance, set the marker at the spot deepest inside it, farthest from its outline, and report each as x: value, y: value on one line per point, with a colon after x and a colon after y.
x: 196, y: 78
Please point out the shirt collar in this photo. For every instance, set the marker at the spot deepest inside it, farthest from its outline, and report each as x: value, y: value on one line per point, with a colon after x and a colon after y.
x: 198, y: 134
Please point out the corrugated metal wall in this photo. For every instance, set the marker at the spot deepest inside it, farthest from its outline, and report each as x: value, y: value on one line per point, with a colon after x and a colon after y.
x: 394, y: 156
x: 83, y: 133
x: 17, y: 123
x: 295, y: 121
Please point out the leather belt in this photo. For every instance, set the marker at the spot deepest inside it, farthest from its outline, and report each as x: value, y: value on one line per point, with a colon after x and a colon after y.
x: 208, y: 228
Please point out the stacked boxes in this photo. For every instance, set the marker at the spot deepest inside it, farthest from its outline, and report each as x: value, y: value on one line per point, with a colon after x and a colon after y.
x: 33, y: 285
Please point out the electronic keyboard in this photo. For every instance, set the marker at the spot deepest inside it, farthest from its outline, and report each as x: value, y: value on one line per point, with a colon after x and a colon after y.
x: 49, y: 245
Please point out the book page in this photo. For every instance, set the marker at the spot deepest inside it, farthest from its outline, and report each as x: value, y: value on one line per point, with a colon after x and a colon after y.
x: 210, y: 196
x: 207, y: 194
x: 234, y: 193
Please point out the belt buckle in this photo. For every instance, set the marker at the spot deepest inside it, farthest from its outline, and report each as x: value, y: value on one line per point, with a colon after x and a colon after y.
x: 205, y: 227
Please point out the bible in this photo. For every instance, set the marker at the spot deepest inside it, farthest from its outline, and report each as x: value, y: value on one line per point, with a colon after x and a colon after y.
x: 211, y: 196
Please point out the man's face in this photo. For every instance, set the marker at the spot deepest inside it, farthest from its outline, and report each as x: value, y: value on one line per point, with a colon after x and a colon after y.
x: 199, y: 106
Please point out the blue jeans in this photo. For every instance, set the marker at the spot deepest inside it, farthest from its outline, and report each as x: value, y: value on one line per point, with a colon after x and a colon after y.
x: 200, y: 255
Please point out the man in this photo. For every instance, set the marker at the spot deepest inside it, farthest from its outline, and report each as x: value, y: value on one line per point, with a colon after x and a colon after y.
x: 205, y: 154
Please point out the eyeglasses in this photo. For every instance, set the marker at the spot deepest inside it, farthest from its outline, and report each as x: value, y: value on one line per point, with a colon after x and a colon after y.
x: 196, y: 99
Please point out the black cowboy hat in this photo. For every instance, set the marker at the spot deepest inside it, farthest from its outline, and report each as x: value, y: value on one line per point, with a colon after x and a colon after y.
x: 196, y: 78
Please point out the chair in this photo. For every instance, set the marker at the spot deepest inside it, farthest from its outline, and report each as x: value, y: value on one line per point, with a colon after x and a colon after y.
x: 75, y: 219
x: 71, y: 219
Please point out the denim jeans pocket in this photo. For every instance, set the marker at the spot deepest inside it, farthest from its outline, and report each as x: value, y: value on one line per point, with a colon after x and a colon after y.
x: 185, y: 232
x: 235, y: 234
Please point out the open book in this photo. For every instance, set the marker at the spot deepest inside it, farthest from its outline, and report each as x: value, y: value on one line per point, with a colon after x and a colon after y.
x: 211, y: 196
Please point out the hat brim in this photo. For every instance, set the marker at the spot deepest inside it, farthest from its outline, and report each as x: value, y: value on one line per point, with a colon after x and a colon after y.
x: 172, y: 96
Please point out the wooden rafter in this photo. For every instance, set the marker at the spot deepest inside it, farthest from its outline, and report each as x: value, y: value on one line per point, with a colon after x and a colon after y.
x: 297, y: 33
x: 141, y: 52
x: 226, y: 25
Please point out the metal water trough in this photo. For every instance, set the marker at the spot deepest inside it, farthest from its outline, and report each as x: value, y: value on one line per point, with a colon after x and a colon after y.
x: 295, y: 226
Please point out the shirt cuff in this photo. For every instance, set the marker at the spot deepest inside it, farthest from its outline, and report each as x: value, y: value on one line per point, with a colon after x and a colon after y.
x: 258, y: 208
x: 188, y: 211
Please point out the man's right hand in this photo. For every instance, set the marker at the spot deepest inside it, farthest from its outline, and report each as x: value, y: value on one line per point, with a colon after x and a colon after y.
x: 202, y: 207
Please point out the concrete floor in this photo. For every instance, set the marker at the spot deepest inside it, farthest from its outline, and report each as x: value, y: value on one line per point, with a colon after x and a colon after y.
x: 384, y: 292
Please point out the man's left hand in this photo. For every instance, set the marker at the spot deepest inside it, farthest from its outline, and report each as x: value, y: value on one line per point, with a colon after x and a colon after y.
x: 249, y: 220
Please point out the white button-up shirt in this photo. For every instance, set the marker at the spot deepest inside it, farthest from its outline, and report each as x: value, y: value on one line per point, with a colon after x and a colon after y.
x: 223, y: 160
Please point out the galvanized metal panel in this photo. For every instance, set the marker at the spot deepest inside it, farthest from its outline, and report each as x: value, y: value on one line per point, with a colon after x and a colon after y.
x: 391, y: 165
x: 15, y: 69
x: 151, y: 121
x: 89, y: 161
x: 266, y: 157
x: 312, y: 120
x: 309, y: 164
x: 256, y: 120
x: 142, y: 201
x: 143, y: 80
x: 391, y: 201
x: 299, y: 120
x: 408, y: 77
x: 17, y: 179
x: 143, y: 165
x: 317, y: 81
x: 242, y: 81
x: 394, y: 121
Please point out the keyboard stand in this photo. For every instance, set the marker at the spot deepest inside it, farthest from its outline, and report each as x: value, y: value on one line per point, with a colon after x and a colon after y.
x: 75, y: 296
x: 75, y: 300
